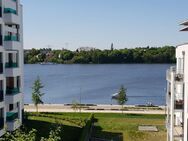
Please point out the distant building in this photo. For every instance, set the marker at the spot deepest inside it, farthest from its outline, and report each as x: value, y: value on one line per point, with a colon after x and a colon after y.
x: 112, y: 47
x: 85, y: 49
x: 45, y: 51
x: 27, y: 51
x: 177, y: 95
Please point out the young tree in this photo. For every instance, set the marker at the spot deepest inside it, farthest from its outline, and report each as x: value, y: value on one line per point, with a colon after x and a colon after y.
x: 36, y: 94
x: 122, y: 97
x: 75, y: 105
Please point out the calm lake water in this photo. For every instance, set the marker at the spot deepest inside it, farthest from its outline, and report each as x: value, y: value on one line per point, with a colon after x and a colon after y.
x: 96, y: 83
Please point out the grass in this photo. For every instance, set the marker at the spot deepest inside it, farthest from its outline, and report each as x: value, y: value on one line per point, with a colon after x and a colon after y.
x: 125, y: 127
x: 119, y: 127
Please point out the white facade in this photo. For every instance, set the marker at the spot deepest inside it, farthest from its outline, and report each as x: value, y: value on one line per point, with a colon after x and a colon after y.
x: 177, y: 97
x: 11, y: 65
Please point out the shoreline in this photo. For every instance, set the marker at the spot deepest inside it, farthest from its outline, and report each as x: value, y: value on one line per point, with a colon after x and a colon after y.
x: 99, y: 108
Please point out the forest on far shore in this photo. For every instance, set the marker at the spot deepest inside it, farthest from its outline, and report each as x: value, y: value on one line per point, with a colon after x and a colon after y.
x: 148, y: 54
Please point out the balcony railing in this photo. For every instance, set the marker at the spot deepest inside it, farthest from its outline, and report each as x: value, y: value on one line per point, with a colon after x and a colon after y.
x: 1, y: 123
x: 12, y: 91
x: 178, y: 74
x: 11, y: 38
x: 10, y: 10
x: 11, y: 65
x: 1, y: 95
x: 11, y: 116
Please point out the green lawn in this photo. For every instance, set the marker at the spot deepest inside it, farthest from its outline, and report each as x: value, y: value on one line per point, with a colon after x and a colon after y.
x: 125, y: 127
x: 109, y: 126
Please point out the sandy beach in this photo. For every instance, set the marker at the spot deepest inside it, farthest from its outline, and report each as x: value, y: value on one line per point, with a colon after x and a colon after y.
x: 95, y: 109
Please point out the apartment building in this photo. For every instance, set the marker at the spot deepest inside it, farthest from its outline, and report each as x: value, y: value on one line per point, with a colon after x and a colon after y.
x: 177, y: 95
x: 11, y: 65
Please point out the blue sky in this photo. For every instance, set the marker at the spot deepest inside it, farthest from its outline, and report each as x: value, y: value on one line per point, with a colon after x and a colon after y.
x: 97, y: 23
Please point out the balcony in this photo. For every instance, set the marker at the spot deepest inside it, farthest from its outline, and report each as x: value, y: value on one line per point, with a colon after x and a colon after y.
x: 11, y: 65
x: 12, y: 91
x: 12, y: 121
x: 11, y: 16
x: 1, y: 95
x: 11, y: 116
x: 179, y: 77
x: 1, y: 123
x: 13, y: 125
x: 11, y: 38
x: 179, y: 105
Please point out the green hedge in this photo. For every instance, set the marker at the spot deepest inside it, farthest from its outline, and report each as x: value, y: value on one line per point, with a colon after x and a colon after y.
x: 87, y: 128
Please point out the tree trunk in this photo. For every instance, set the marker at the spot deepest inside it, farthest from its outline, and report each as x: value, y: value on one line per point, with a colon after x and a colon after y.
x: 36, y: 108
x: 122, y: 109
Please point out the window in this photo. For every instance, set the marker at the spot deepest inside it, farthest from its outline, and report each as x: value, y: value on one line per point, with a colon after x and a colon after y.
x: 1, y: 113
x: 17, y: 104
x: 18, y: 81
x: 11, y: 107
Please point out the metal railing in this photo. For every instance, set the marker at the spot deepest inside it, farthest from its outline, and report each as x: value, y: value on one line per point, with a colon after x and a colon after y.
x: 179, y: 75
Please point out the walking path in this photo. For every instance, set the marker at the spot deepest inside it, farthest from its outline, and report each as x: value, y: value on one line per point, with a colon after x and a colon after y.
x: 94, y: 109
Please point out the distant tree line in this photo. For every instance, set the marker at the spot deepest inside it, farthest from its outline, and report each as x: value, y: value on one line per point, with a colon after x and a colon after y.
x: 148, y: 54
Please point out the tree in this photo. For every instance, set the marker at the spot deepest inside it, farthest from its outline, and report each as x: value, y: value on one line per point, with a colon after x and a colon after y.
x: 122, y: 97
x: 75, y: 105
x: 36, y: 94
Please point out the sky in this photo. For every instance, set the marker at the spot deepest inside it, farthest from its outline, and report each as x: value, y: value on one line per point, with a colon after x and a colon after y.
x: 72, y: 24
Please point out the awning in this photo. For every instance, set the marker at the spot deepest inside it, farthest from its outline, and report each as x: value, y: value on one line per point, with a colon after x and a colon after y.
x: 185, y: 23
x: 184, y: 29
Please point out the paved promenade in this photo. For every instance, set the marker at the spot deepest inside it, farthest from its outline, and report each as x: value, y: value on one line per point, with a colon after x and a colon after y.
x: 94, y: 109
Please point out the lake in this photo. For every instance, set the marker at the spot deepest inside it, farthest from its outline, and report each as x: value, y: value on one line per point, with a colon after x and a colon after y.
x: 94, y: 84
